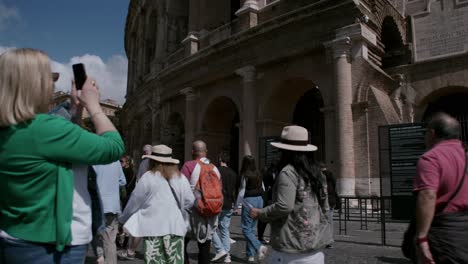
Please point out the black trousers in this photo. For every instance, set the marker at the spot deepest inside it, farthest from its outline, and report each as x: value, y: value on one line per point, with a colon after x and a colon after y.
x: 203, y: 252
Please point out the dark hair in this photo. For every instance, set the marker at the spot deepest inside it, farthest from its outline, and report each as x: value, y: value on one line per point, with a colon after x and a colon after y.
x: 249, y: 168
x: 444, y: 126
x: 223, y: 157
x: 306, y: 166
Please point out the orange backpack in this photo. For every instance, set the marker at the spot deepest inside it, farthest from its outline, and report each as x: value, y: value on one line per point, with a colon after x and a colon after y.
x: 211, y: 189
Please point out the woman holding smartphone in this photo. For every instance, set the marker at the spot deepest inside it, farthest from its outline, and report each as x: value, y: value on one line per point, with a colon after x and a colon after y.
x: 36, y: 153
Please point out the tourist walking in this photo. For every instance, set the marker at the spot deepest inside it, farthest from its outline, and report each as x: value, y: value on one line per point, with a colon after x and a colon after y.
x: 333, y: 199
x: 35, y: 156
x: 442, y: 195
x: 133, y: 242
x: 299, y: 225
x: 156, y: 206
x: 222, y: 242
x: 200, y: 172
x: 144, y: 164
x: 250, y: 196
x: 109, y: 179
x: 269, y: 177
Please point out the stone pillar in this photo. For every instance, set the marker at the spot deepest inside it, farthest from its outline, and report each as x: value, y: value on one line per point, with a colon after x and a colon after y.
x: 249, y: 111
x: 191, y: 44
x: 189, y: 121
x: 340, y: 50
x: 248, y: 14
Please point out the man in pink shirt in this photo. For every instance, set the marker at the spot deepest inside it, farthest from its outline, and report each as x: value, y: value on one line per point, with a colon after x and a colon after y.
x: 439, y: 172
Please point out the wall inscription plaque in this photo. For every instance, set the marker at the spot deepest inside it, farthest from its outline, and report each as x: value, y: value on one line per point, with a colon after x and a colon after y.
x: 441, y: 30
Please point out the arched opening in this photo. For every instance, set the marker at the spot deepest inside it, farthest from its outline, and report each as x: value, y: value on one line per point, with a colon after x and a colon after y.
x: 235, y: 6
x: 151, y: 30
x: 453, y: 104
x: 220, y: 130
x: 174, y: 135
x: 308, y: 114
x: 297, y: 102
x: 393, y: 44
x: 177, y: 23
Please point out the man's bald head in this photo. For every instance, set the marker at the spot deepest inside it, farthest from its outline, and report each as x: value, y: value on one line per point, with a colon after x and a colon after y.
x: 199, y: 149
x: 147, y: 149
x: 444, y: 126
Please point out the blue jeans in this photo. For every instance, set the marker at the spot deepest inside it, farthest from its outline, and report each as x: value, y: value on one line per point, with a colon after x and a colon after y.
x: 23, y: 252
x: 249, y: 225
x: 223, y: 243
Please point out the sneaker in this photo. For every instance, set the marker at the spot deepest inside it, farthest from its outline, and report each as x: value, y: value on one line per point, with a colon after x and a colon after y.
x: 262, y: 251
x: 251, y: 260
x: 264, y: 241
x: 227, y: 259
x: 125, y: 255
x: 329, y: 246
x: 219, y: 256
x: 232, y: 241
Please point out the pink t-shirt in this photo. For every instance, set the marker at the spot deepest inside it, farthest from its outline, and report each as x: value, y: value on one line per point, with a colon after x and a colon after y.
x: 440, y: 169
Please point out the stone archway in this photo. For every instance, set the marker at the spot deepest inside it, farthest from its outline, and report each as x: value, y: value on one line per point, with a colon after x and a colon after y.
x: 220, y: 129
x: 395, y: 52
x: 173, y: 135
x: 308, y: 114
x: 297, y: 101
x: 453, y: 104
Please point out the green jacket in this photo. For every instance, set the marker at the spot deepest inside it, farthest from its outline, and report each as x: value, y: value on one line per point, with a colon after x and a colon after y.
x: 298, y: 223
x: 36, y: 189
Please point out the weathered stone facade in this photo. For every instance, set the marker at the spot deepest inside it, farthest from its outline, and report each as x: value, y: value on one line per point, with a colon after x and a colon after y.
x: 235, y: 72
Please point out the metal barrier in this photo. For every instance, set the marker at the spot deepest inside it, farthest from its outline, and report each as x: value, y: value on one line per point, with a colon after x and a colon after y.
x: 365, y: 209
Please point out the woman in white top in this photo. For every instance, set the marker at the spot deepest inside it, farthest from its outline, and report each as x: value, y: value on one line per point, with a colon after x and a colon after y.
x: 157, y: 209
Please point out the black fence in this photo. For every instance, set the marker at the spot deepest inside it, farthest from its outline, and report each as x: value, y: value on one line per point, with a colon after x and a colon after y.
x: 366, y: 210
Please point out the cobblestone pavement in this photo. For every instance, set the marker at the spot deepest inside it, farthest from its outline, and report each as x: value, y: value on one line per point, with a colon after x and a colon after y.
x: 356, y: 247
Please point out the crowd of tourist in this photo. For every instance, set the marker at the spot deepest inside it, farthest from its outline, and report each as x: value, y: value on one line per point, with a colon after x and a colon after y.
x: 63, y: 188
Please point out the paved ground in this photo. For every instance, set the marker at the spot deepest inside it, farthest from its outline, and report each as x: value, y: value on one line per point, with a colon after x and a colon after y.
x: 357, y: 247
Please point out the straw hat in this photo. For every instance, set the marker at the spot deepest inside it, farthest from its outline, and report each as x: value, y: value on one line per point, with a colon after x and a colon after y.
x: 295, y: 138
x: 161, y: 153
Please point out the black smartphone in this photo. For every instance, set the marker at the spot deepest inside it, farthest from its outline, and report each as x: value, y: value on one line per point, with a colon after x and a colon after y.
x: 80, y: 75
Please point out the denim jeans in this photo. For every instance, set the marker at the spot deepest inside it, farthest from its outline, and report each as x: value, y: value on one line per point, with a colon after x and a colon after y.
x: 23, y: 252
x: 330, y: 218
x: 223, y: 243
x: 249, y: 225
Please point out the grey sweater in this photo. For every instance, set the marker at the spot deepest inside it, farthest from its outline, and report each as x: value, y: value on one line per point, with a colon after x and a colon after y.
x: 298, y: 223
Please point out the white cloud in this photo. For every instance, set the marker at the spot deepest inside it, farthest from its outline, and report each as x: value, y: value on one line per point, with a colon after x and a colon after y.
x: 8, y: 16
x: 111, y: 75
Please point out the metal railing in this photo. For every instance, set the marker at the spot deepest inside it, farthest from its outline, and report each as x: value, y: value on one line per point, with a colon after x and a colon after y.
x: 365, y: 210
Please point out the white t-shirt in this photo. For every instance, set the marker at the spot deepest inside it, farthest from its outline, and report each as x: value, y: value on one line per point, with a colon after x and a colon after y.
x: 81, y: 221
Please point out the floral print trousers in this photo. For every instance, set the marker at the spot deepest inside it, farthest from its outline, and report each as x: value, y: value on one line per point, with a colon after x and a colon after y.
x: 167, y: 249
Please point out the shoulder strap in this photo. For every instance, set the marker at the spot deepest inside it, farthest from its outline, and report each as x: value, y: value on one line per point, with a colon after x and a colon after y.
x: 459, y: 185
x: 174, y: 194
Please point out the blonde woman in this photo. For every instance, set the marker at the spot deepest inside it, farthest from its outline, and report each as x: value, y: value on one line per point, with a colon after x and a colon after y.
x: 36, y: 153
x: 157, y: 209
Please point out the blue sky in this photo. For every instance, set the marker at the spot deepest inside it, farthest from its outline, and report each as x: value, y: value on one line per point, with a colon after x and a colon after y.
x: 69, y: 31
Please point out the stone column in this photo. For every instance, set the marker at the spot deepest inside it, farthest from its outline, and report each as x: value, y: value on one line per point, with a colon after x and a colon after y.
x: 189, y: 121
x: 248, y: 14
x: 340, y: 51
x: 249, y: 111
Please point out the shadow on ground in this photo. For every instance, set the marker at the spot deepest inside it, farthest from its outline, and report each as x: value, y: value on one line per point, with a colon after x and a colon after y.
x: 393, y: 260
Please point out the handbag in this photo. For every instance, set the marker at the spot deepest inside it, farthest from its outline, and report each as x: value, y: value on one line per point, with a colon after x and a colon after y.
x: 408, y: 246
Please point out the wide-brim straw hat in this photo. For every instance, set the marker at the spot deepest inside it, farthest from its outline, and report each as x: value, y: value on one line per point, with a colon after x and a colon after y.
x: 161, y: 153
x: 294, y: 138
